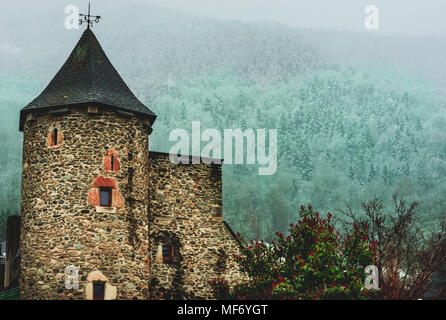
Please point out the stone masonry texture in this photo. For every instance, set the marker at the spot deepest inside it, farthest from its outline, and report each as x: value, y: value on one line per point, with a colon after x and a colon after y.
x: 61, y: 228
x: 186, y: 211
x: 155, y: 203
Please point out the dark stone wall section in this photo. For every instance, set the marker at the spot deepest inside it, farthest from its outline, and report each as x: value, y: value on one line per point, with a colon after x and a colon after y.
x: 12, y: 263
x: 186, y: 207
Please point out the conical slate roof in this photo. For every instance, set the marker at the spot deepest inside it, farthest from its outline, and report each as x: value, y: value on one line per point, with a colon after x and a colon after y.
x: 87, y: 77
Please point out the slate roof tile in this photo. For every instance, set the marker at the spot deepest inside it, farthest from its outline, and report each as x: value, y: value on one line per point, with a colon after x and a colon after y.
x: 87, y: 77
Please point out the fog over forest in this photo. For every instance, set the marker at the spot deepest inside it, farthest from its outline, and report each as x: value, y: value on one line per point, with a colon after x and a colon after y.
x: 358, y: 114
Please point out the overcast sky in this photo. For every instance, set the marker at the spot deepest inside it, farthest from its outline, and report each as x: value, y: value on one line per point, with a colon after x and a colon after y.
x: 397, y: 17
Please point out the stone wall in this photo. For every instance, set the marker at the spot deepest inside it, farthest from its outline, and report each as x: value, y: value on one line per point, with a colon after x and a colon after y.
x: 186, y: 213
x: 63, y: 226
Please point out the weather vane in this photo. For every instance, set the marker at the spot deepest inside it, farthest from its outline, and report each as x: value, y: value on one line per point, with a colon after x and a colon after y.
x: 89, y: 19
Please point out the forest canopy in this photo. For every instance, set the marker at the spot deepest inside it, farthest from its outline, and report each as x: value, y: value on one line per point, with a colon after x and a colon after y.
x: 347, y: 131
x: 344, y: 135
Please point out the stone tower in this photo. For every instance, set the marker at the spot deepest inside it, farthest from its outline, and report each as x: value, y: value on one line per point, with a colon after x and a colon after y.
x: 85, y: 184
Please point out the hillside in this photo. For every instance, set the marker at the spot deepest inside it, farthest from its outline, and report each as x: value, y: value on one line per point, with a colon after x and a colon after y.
x: 357, y: 115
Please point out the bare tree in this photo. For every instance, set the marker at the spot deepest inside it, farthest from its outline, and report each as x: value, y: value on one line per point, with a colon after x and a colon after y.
x: 407, y: 258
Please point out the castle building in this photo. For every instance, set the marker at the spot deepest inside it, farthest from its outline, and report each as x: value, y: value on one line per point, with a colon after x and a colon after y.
x: 102, y: 218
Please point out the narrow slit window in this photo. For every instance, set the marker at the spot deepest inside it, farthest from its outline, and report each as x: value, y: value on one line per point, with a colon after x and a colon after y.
x: 106, y: 197
x: 55, y: 136
x: 112, y: 162
x: 98, y: 290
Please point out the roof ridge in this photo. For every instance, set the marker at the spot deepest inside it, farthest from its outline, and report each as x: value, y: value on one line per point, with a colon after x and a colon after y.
x: 89, y: 59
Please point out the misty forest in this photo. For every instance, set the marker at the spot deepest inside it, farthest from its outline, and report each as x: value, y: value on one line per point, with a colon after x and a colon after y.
x: 358, y: 115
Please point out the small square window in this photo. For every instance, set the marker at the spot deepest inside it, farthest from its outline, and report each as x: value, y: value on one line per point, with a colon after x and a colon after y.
x: 169, y: 252
x: 98, y: 290
x: 105, y: 197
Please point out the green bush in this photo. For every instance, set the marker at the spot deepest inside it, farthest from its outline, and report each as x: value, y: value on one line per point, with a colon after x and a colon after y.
x: 314, y: 261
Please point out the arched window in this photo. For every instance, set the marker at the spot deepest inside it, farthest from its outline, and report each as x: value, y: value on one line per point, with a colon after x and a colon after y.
x: 98, y: 290
x: 98, y: 287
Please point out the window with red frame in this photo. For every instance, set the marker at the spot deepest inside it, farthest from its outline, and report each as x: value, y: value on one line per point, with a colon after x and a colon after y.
x: 105, y: 197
